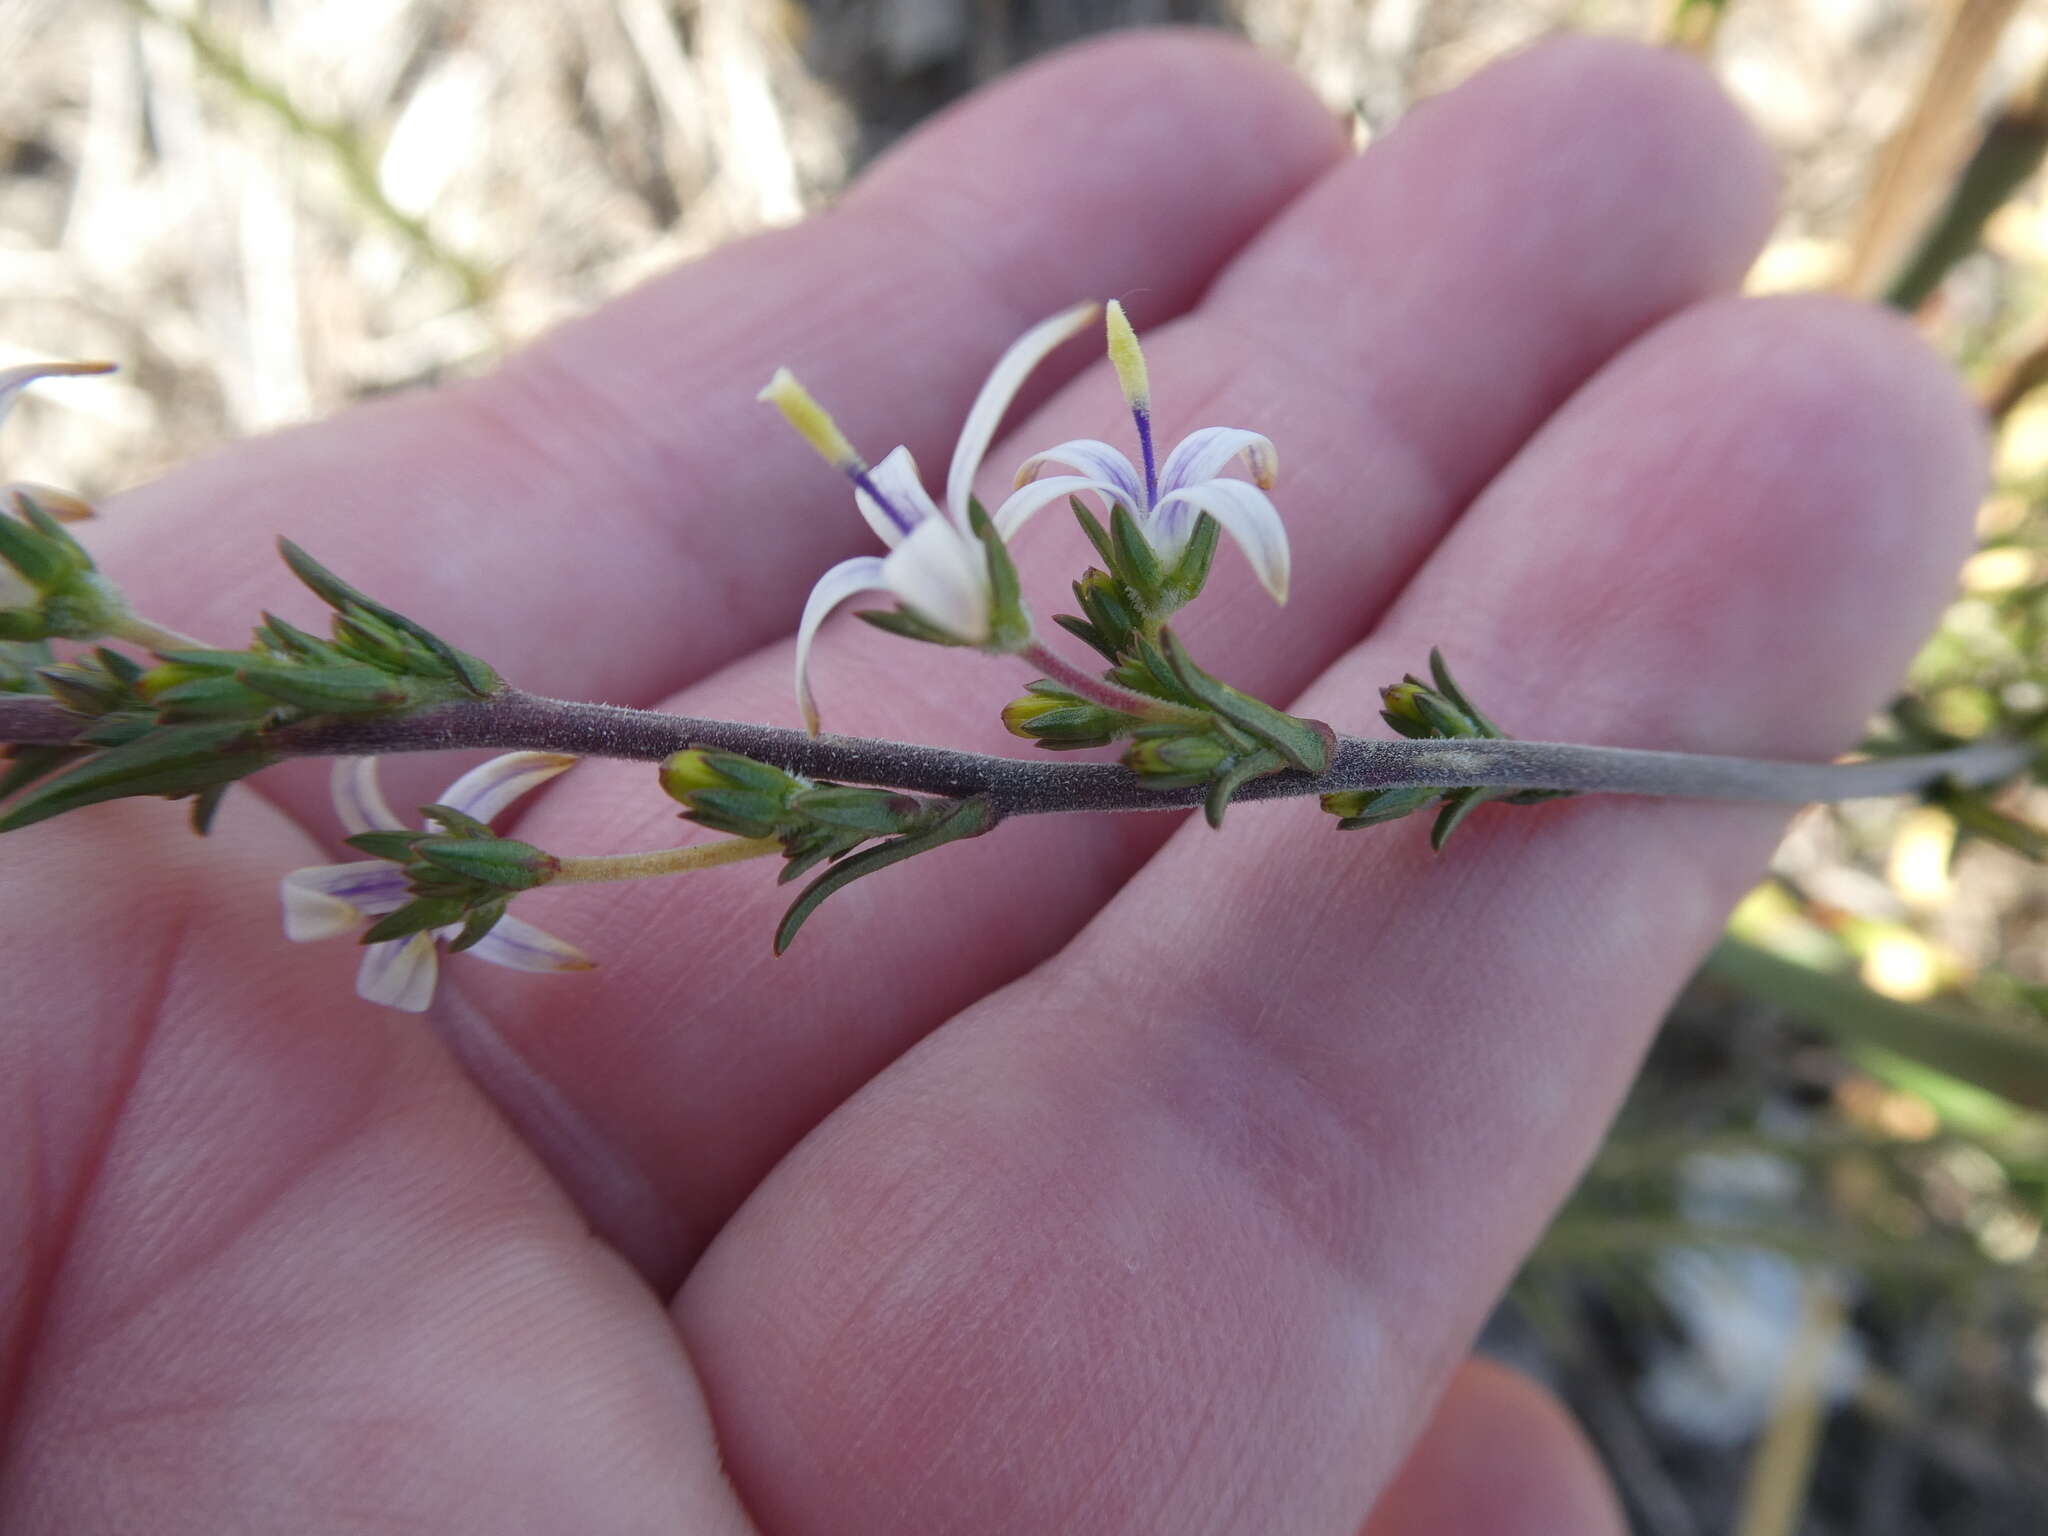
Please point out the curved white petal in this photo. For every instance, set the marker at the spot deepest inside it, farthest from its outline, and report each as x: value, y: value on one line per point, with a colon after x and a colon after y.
x: 864, y: 573
x: 1205, y: 454
x: 942, y: 574
x: 896, y: 478
x: 400, y: 973
x: 1027, y: 500
x: 488, y: 788
x: 359, y: 799
x: 524, y: 947
x: 1004, y: 380
x: 1095, y: 459
x: 14, y: 380
x: 1245, y: 512
x: 324, y: 901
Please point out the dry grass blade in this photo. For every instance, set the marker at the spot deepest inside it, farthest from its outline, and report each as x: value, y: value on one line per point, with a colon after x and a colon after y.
x: 1922, y: 157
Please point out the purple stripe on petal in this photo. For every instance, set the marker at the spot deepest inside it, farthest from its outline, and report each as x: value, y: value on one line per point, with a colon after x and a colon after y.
x: 359, y: 799
x: 524, y: 947
x: 488, y: 788
x: 368, y: 885
x: 1205, y: 454
x: 1098, y: 461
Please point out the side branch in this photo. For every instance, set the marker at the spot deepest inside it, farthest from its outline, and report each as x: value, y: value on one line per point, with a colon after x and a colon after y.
x: 511, y: 720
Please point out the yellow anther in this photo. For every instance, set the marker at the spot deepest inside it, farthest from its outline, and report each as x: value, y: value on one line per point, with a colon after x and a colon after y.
x: 1126, y: 358
x: 812, y: 422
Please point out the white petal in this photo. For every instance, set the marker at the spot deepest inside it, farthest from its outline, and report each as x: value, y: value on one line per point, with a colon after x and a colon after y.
x: 896, y: 478
x: 324, y: 901
x: 1206, y: 454
x: 942, y: 574
x: 1004, y: 380
x: 400, y: 973
x: 488, y: 788
x: 862, y: 574
x: 14, y: 380
x: 359, y: 799
x: 524, y: 947
x: 1027, y: 500
x: 1247, y: 515
x: 1095, y: 459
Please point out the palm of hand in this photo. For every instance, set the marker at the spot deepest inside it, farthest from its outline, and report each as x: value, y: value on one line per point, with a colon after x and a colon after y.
x: 1088, y: 1178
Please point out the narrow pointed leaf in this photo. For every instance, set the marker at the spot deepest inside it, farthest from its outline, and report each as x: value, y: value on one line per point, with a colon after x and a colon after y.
x: 473, y: 674
x: 965, y: 818
x: 1304, y: 744
x: 167, y: 760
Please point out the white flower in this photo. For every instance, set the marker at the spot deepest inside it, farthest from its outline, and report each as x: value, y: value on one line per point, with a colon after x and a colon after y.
x: 1166, y: 501
x: 325, y: 901
x: 936, y: 566
x: 15, y: 592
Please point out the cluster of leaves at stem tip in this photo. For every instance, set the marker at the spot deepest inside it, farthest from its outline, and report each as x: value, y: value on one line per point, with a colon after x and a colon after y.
x: 1438, y: 710
x: 1186, y: 728
x: 198, y: 719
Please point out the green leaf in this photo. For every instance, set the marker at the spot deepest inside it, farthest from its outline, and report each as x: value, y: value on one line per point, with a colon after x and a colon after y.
x: 2007, y: 1059
x: 902, y: 621
x: 501, y: 862
x: 479, y: 921
x: 1240, y: 772
x: 1009, y: 624
x: 42, y: 563
x: 1190, y: 573
x: 21, y: 766
x: 471, y: 673
x: 171, y: 760
x: 1440, y: 672
x: 964, y: 818
x: 380, y: 844
x: 1458, y: 804
x: 872, y: 812
x: 1136, y: 563
x: 417, y: 916
x: 347, y: 689
x: 1092, y: 526
x: 1303, y: 744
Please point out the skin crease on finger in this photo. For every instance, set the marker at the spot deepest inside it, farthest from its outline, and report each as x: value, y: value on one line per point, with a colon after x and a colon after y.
x: 1004, y: 1277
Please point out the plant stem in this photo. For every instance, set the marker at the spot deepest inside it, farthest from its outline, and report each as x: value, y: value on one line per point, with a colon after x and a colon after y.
x: 663, y: 861
x: 151, y: 636
x: 512, y: 720
x: 1101, y: 691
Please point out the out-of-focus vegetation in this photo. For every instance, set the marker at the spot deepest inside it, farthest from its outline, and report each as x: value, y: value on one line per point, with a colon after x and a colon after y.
x: 1804, y: 1287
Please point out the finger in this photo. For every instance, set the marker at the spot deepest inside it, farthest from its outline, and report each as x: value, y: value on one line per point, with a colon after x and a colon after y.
x: 616, y: 489
x: 1229, y: 1184
x: 1500, y: 1457
x: 265, y: 1249
x: 703, y: 1057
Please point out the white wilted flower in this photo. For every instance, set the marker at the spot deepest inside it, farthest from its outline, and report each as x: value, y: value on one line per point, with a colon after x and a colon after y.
x: 327, y: 901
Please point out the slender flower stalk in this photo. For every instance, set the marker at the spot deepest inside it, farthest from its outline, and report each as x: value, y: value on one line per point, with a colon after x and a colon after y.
x: 1051, y: 664
x: 327, y: 901
x: 664, y: 861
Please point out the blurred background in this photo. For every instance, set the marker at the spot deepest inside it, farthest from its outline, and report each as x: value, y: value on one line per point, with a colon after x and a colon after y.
x: 1803, y: 1289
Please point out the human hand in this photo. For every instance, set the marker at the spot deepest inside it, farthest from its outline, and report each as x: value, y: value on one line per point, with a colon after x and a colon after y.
x: 1098, y: 1176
